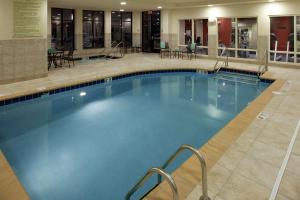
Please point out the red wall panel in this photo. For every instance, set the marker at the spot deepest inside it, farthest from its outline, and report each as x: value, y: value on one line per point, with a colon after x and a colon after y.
x: 282, y: 27
x: 224, y: 27
x: 205, y: 32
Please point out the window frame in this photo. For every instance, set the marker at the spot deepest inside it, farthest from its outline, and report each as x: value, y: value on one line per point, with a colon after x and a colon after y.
x: 235, y: 49
x: 62, y: 21
x: 94, y: 12
x: 295, y: 53
x: 121, y: 21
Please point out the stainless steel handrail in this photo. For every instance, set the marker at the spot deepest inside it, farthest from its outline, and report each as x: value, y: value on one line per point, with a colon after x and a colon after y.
x: 151, y: 171
x: 106, y: 49
x: 116, y: 47
x: 263, y: 64
x: 220, y: 58
x: 203, y: 167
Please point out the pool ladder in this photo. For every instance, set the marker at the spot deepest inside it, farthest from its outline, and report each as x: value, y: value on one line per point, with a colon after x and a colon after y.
x: 161, y: 172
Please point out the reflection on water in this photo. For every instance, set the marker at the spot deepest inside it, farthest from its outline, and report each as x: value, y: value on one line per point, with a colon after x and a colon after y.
x: 102, y: 139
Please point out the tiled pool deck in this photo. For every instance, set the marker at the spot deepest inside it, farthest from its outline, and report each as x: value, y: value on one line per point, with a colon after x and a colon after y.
x: 243, y: 158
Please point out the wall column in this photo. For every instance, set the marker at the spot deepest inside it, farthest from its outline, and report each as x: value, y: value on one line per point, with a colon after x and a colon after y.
x: 136, y: 28
x: 107, y: 29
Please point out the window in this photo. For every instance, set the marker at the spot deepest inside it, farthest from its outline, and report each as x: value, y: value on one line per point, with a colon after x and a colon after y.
x: 93, y: 29
x: 282, y: 39
x: 62, y: 28
x: 247, y: 37
x: 298, y: 39
x: 185, y: 31
x: 151, y: 31
x: 239, y: 35
x: 121, y: 27
x: 201, y: 35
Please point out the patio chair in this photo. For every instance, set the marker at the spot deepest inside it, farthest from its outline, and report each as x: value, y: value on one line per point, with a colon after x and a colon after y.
x: 69, y: 57
x: 164, y: 49
x: 190, y: 50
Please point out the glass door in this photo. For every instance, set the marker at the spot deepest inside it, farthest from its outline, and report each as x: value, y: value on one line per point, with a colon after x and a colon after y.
x: 151, y: 31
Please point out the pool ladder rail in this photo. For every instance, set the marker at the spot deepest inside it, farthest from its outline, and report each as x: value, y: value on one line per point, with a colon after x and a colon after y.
x: 161, y: 173
x: 221, y: 63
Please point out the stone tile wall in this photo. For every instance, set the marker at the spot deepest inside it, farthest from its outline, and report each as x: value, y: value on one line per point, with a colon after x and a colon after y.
x: 22, y: 59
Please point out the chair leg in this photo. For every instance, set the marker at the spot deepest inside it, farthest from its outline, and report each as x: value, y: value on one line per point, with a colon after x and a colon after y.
x: 69, y: 63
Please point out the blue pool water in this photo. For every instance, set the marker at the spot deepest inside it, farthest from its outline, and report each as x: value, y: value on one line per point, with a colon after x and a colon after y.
x: 96, y: 142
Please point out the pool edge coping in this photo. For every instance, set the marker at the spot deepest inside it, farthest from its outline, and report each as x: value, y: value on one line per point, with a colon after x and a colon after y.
x: 212, y: 154
x: 116, y: 75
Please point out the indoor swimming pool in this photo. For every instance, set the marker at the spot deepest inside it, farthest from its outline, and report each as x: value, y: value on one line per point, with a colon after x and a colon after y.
x: 96, y: 142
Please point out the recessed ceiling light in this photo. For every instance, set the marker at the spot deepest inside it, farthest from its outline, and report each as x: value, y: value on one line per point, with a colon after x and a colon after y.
x: 123, y: 3
x: 209, y: 5
x: 271, y: 1
x: 159, y: 7
x: 121, y: 10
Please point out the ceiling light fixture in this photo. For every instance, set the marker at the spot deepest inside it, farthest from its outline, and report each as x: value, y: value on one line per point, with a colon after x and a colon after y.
x: 123, y: 3
x: 271, y: 1
x: 209, y: 5
x: 159, y: 7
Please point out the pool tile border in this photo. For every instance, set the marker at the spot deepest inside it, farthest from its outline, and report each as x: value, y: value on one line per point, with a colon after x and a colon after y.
x: 187, y: 176
x: 16, y: 184
x: 21, y: 98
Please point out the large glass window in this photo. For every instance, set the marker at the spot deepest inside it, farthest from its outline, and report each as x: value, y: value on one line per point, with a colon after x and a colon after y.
x: 121, y: 27
x: 239, y: 35
x: 226, y: 32
x: 298, y: 39
x: 62, y: 28
x: 226, y: 35
x: 201, y: 35
x: 185, y: 31
x: 282, y: 39
x: 247, y: 37
x: 93, y: 29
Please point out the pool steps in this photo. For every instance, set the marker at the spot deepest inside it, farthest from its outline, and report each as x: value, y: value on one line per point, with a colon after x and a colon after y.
x: 240, y: 78
x: 160, y: 171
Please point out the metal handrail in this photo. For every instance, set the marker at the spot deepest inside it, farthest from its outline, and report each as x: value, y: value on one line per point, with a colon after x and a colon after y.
x: 151, y: 171
x: 118, y: 45
x: 263, y: 64
x: 203, y: 167
x: 219, y: 59
x: 106, y: 49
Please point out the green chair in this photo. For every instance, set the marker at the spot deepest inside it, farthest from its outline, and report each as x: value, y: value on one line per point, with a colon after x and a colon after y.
x: 164, y: 49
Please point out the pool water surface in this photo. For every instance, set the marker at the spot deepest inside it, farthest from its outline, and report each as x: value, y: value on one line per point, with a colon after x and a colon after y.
x: 96, y: 142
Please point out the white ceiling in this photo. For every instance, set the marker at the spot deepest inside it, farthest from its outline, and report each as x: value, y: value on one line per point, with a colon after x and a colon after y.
x: 144, y: 4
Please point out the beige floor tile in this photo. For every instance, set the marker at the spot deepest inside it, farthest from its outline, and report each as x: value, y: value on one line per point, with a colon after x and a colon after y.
x: 218, y: 198
x: 267, y: 153
x: 197, y: 193
x: 231, y: 158
x: 258, y: 171
x: 241, y: 188
x: 281, y: 197
x: 217, y: 177
x: 275, y: 139
x: 294, y: 164
x: 290, y: 186
x: 296, y: 148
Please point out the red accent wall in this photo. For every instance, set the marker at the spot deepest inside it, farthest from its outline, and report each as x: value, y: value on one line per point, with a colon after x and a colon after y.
x: 224, y: 31
x: 188, y: 24
x: 205, y: 32
x: 281, y: 27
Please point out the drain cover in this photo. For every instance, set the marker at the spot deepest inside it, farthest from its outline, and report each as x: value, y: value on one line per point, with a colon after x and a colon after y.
x: 262, y: 116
